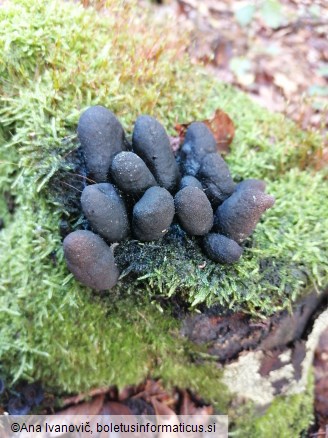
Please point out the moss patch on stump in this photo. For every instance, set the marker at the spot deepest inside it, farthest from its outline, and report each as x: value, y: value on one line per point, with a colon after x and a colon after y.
x: 57, y: 59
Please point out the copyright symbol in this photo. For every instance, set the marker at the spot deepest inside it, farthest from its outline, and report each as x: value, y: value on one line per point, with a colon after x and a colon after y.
x: 15, y: 427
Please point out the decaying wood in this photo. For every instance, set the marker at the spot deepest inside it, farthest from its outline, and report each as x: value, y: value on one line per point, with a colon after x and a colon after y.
x: 261, y: 360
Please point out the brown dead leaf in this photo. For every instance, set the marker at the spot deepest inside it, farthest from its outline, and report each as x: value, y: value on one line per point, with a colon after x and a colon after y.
x: 161, y: 408
x: 92, y: 407
x: 148, y: 398
x: 181, y: 129
x: 222, y: 128
x: 188, y: 405
x: 85, y: 395
x: 153, y: 389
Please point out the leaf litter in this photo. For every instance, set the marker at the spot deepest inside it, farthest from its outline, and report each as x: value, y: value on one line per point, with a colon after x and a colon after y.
x: 148, y: 398
x: 220, y: 124
x: 275, y: 50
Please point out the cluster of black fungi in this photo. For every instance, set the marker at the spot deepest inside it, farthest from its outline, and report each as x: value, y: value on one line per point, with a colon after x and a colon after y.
x: 140, y: 189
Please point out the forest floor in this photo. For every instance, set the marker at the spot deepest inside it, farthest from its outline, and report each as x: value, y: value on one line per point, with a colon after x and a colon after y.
x: 275, y: 51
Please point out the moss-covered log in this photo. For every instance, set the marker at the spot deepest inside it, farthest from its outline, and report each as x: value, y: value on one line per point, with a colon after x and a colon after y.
x: 56, y: 60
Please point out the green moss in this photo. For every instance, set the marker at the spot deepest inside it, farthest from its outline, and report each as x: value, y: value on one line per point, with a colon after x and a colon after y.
x: 287, y: 417
x: 286, y: 255
x: 203, y: 379
x: 54, y: 330
x: 266, y: 145
x: 55, y: 60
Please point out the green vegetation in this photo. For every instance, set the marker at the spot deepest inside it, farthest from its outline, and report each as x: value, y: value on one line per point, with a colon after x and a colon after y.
x: 286, y: 417
x: 286, y: 254
x: 55, y: 60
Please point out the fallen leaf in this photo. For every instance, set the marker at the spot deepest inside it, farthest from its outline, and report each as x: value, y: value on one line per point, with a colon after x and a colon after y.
x: 189, y: 405
x: 92, y: 407
x: 222, y: 128
x: 148, y: 398
x: 85, y: 395
x: 161, y: 408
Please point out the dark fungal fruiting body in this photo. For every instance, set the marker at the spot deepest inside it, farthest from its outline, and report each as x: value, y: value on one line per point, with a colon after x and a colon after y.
x: 252, y: 184
x: 221, y: 249
x: 199, y: 141
x: 216, y: 180
x: 101, y: 136
x: 151, y: 142
x: 194, y: 211
x: 190, y: 181
x: 105, y: 210
x: 141, y: 189
x: 131, y: 174
x: 153, y: 214
x: 90, y: 260
x: 237, y: 217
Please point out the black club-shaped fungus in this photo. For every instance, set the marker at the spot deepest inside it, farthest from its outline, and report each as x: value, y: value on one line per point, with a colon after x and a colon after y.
x: 194, y: 211
x: 151, y: 142
x: 105, y: 210
x: 216, y: 180
x: 148, y: 175
x: 199, y: 141
x: 237, y: 217
x: 221, y: 249
x: 190, y: 181
x: 251, y: 184
x: 131, y: 174
x: 101, y: 136
x: 153, y: 214
x: 90, y: 260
